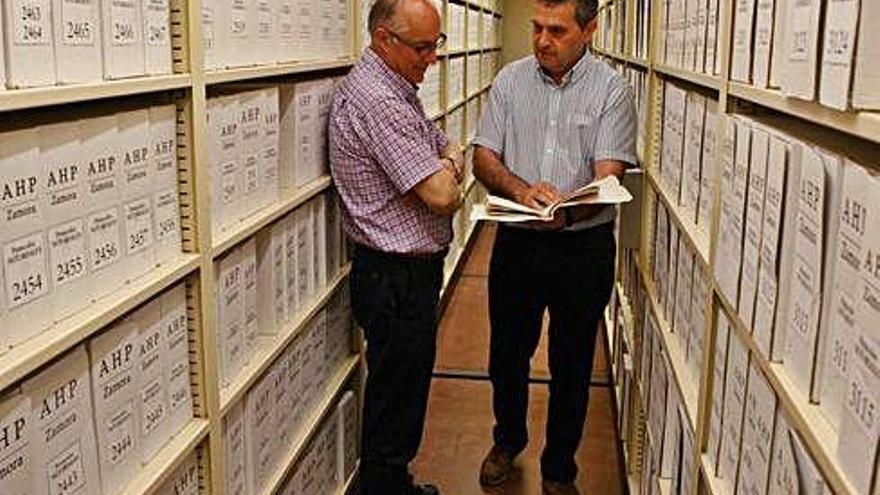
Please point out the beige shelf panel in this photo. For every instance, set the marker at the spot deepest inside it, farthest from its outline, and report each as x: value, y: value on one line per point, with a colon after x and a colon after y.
x: 622, y: 58
x: 272, y: 347
x: 20, y: 360
x: 696, y: 237
x: 704, y: 80
x: 328, y: 396
x: 804, y: 417
x: 150, y: 477
x: 285, y: 69
x: 865, y: 125
x: 18, y: 99
x: 249, y: 226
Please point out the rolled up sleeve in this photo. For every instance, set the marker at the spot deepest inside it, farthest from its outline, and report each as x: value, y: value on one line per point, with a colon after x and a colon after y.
x: 616, y: 137
x: 491, y: 131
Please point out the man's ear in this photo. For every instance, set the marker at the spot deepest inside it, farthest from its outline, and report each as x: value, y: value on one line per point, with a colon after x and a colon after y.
x: 590, y: 28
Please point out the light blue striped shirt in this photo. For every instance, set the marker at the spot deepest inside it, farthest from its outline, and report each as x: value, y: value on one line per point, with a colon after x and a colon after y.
x: 555, y: 134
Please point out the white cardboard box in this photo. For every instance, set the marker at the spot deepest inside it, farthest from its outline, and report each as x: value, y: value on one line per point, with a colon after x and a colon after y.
x: 114, y: 365
x: 800, y: 66
x: 753, y: 224
x: 669, y: 298
x: 249, y: 287
x: 319, y: 244
x: 157, y: 37
x: 267, y: 40
x: 176, y: 366
x: 838, y: 325
x: 185, y: 478
x: 77, y: 39
x: 30, y: 58
x: 866, y: 90
x: 771, y: 233
x: 693, y: 150
x: 65, y: 181
x: 166, y: 206
x: 271, y: 278
x: 726, y: 265
x: 230, y: 311
x: 286, y: 25
x: 153, y: 405
x: 16, y: 424
x: 783, y: 471
x: 63, y: 436
x: 106, y: 250
x: 282, y: 414
x: 123, y: 44
x: 249, y: 151
x: 259, y: 433
x: 743, y: 35
x: 700, y: 297
x: 838, y: 49
x: 734, y: 406
x: 682, y: 297
x: 2, y: 57
x: 713, y: 40
x: 805, y: 292
x: 304, y: 257
x: 229, y: 163
x: 777, y: 53
x: 764, y: 40
x: 859, y: 431
x: 236, y: 451
x: 305, y: 27
x: 210, y: 40
x: 26, y: 277
x: 757, y: 435
x: 269, y: 111
x: 708, y: 167
x: 671, y: 458
x: 98, y: 139
x: 719, y: 372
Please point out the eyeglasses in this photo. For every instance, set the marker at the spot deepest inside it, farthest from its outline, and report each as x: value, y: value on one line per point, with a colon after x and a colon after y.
x: 422, y: 48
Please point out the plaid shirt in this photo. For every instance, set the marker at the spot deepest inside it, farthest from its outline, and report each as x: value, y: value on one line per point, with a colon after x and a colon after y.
x: 381, y: 146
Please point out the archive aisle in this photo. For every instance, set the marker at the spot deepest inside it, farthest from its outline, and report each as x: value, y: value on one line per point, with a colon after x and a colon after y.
x: 746, y: 322
x: 174, y: 313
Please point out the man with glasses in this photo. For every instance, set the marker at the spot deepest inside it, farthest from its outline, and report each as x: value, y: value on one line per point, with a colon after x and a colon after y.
x: 555, y: 121
x: 398, y: 178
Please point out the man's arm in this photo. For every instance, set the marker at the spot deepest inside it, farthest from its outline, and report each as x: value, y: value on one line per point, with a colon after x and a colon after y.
x: 440, y: 191
x: 602, y: 169
x: 499, y: 180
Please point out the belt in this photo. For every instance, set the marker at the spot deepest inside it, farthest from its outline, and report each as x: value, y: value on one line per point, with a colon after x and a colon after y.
x: 375, y: 253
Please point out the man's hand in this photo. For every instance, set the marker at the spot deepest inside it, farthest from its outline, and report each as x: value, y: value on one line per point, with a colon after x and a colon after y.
x: 450, y: 165
x: 538, y: 195
x: 454, y: 155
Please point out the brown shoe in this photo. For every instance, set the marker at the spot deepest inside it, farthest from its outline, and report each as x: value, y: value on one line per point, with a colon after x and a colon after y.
x: 556, y: 488
x: 496, y: 467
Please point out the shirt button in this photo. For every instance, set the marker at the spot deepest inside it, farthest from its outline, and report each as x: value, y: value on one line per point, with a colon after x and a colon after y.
x: 549, y: 151
x: 552, y: 122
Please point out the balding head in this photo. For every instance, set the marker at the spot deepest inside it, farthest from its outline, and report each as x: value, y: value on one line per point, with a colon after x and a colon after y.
x: 400, y: 15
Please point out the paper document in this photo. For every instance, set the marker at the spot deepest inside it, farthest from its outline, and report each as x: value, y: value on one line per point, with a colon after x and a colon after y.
x: 599, y: 192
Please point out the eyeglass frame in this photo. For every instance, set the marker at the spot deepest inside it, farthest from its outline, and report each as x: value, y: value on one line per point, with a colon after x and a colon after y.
x: 422, y: 48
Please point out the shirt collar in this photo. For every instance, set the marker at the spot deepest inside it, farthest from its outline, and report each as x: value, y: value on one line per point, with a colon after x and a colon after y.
x: 575, y: 74
x: 374, y: 63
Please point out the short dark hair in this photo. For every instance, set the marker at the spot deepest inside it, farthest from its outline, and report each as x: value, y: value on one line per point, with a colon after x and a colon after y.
x: 381, y: 11
x: 584, y: 10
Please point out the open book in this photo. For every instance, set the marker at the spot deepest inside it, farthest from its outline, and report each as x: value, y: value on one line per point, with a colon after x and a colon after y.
x: 607, y: 191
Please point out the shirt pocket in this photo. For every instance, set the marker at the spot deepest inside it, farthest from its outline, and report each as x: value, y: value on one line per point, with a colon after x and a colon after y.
x: 580, y: 140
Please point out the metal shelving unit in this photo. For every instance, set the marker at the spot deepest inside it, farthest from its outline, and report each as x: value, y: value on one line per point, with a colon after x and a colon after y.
x: 805, y: 418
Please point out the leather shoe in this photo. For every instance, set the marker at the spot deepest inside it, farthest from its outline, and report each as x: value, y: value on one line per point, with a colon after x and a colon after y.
x: 424, y: 490
x: 556, y: 488
x: 496, y: 467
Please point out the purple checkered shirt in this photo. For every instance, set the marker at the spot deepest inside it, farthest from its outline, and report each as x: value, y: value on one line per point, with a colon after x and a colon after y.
x: 381, y: 146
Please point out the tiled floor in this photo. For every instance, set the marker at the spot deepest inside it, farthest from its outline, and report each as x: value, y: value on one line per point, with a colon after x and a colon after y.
x: 459, y: 425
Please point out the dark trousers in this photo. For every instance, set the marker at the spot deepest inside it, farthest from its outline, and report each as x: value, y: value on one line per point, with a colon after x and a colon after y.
x: 394, y: 299
x: 571, y: 274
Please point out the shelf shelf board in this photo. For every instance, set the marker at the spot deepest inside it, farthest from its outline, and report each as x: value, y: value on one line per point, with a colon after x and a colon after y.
x: 249, y: 226
x: 22, y: 359
x: 17, y: 99
x: 150, y: 477
x: 288, y: 68
x: 804, y: 417
x: 687, y: 384
x: 696, y: 237
x: 272, y: 347
x: 456, y: 105
x: 460, y: 51
x: 704, y: 80
x: 623, y: 58
x: 865, y: 125
x: 320, y: 411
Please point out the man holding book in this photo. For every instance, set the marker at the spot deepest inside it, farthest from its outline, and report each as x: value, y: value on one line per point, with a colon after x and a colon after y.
x: 556, y: 121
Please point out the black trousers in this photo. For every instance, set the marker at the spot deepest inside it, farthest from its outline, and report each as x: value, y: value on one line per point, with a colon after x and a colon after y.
x: 394, y: 299
x: 571, y: 274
